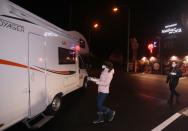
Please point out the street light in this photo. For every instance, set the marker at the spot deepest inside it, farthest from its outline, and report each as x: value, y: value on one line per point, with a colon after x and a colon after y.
x: 144, y: 59
x: 152, y: 59
x: 174, y: 58
x: 115, y: 10
x: 94, y: 26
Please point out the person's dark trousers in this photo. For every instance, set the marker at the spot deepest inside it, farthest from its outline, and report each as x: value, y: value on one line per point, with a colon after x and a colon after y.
x: 174, y: 92
x: 103, y: 111
x: 100, y: 107
x: 101, y: 97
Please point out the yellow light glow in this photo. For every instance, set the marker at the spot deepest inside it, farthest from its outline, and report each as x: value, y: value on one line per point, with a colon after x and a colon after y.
x: 152, y: 59
x: 186, y: 57
x: 115, y: 9
x: 173, y: 58
x: 67, y: 58
x: 185, y: 60
x: 144, y: 59
x: 96, y: 25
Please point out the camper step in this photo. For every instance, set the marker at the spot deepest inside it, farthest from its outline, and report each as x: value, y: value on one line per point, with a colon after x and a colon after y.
x: 38, y: 121
x: 42, y: 122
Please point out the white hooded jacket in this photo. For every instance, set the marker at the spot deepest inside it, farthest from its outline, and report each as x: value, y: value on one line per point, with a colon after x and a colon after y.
x: 104, y: 80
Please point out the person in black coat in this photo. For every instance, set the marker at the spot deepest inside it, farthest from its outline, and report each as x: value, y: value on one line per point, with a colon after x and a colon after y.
x: 173, y: 79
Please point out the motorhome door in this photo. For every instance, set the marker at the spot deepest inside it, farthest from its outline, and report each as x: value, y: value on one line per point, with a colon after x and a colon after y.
x: 37, y: 74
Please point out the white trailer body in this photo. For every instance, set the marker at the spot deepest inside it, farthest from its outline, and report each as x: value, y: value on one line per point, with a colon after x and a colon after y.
x: 38, y: 62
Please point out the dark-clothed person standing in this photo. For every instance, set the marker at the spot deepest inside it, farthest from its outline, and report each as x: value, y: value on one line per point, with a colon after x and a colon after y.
x: 173, y: 79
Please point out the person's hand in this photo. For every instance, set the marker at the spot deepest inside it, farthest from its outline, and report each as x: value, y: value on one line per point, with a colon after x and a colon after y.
x: 173, y: 73
x: 89, y: 78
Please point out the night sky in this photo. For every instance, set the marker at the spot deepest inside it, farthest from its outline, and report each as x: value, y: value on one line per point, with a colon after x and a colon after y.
x: 147, y: 19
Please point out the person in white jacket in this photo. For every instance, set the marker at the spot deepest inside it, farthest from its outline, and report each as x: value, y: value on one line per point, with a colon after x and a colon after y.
x: 103, y: 90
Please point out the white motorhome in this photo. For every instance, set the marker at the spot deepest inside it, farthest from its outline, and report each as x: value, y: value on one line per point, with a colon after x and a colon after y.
x: 38, y: 65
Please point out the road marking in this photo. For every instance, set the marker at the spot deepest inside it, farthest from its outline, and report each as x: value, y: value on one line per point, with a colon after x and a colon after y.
x: 151, y: 97
x: 149, y: 76
x: 183, y: 78
x: 184, y: 111
x: 167, y: 122
x: 159, y: 101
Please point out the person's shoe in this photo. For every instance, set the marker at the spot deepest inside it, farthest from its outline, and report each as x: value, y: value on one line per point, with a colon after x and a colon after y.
x: 100, y: 118
x: 97, y: 121
x: 111, y: 117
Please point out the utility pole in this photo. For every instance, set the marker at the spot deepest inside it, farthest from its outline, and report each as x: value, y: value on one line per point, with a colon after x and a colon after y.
x: 115, y: 10
x: 90, y: 35
x: 128, y: 37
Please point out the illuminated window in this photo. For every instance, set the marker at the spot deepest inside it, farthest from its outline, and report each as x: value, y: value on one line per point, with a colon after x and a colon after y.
x: 66, y: 56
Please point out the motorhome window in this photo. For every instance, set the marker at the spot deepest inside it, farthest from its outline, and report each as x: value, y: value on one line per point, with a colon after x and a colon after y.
x: 66, y: 56
x: 82, y: 43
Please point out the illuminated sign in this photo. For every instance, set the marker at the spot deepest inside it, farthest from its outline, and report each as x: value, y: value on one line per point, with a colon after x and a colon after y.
x: 172, y: 25
x: 172, y: 29
x: 150, y: 47
x: 154, y: 44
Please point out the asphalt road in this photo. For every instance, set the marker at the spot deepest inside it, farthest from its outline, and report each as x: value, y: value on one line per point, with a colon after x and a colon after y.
x: 140, y: 101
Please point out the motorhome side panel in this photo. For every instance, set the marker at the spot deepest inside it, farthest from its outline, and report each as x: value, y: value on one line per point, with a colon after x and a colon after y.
x: 61, y: 77
x: 13, y: 72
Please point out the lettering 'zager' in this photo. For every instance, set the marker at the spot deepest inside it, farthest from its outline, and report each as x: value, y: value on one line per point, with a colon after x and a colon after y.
x: 10, y: 25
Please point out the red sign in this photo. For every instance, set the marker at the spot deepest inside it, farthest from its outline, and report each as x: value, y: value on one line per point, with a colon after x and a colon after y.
x: 150, y: 47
